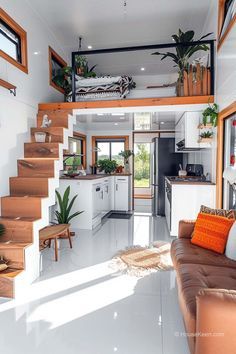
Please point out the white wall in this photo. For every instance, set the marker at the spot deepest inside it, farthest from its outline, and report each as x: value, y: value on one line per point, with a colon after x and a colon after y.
x: 18, y: 114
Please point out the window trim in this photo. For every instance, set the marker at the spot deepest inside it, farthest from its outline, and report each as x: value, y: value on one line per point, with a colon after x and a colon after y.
x: 23, y: 65
x: 52, y: 53
x: 124, y: 138
x: 149, y: 166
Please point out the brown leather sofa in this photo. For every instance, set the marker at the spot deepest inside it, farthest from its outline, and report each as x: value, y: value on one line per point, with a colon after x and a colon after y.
x: 207, y: 295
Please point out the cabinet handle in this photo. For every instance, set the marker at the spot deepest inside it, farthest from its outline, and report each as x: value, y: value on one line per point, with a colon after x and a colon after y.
x: 116, y: 187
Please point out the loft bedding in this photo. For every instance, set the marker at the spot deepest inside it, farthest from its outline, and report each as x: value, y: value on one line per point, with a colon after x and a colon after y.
x: 102, y: 87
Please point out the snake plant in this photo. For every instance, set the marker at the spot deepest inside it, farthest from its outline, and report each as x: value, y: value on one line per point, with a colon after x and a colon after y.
x: 63, y: 216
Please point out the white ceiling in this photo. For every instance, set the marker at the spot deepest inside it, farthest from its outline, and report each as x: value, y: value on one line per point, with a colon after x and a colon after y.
x: 105, y: 23
x: 111, y: 122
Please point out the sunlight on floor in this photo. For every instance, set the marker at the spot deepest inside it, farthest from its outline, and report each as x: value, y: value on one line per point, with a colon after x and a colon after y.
x: 80, y: 303
x: 51, y: 286
x: 142, y: 230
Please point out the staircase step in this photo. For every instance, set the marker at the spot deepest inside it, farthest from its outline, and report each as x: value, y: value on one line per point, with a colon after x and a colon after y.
x: 33, y: 186
x: 45, y: 150
x: 36, y: 167
x: 58, y: 120
x: 21, y: 206
x: 56, y: 134
x: 18, y: 229
x: 14, y: 252
x: 7, y: 278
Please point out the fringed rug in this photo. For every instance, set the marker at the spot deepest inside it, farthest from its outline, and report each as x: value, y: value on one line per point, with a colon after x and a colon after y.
x: 141, y: 261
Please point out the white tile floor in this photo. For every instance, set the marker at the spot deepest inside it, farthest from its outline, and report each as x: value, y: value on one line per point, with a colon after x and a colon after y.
x: 80, y: 306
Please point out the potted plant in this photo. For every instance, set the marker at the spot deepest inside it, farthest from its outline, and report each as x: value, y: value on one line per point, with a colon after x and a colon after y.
x: 210, y: 115
x: 181, y: 57
x: 206, y: 137
x: 106, y: 165
x: 63, y: 79
x: 126, y: 155
x: 64, y: 215
x: 82, y: 67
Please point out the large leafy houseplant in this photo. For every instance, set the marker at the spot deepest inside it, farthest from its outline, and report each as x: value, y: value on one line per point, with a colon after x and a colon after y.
x: 82, y: 67
x: 63, y: 79
x: 210, y: 115
x: 63, y: 216
x: 184, y: 52
x: 106, y: 165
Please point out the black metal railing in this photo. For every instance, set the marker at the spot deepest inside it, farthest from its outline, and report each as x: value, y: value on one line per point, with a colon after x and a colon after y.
x: 211, y: 44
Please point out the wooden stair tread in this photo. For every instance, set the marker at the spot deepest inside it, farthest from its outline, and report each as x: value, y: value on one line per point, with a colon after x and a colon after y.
x: 39, y: 158
x: 20, y: 219
x: 10, y: 273
x: 13, y: 244
x: 22, y: 197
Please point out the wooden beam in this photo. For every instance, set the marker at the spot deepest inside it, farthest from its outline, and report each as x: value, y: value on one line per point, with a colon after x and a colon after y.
x: 137, y: 102
x: 224, y: 114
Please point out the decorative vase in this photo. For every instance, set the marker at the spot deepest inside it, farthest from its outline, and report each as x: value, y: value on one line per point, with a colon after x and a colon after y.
x: 40, y: 137
x: 127, y: 167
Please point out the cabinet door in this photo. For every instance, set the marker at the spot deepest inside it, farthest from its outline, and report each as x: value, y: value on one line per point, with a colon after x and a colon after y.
x: 121, y: 195
x: 192, y: 120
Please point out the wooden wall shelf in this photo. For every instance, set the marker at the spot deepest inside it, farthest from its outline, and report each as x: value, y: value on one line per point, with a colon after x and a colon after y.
x: 8, y: 86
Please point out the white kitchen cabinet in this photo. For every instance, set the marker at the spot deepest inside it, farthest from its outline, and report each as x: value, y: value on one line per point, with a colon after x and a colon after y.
x: 122, y: 193
x: 187, y: 130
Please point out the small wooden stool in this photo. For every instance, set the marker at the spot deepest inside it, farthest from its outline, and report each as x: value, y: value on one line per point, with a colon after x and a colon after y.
x: 54, y: 232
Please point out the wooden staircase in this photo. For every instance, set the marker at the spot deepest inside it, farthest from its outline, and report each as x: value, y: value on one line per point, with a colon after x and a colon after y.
x: 26, y: 210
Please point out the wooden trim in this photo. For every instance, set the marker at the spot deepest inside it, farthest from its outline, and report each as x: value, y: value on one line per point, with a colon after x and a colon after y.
x: 23, y: 65
x: 143, y: 196
x: 7, y: 85
x: 84, y: 142
x: 224, y: 114
x: 221, y: 22
x: 113, y: 137
x: 60, y: 60
x: 136, y: 102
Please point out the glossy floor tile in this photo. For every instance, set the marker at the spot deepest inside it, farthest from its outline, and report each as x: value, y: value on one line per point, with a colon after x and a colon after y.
x: 80, y: 305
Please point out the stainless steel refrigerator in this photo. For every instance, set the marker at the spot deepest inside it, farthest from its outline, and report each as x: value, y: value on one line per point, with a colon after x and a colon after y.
x: 164, y: 162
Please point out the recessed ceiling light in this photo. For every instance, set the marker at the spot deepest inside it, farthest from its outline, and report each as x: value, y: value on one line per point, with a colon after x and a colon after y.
x: 142, y: 69
x: 90, y: 47
x: 36, y: 53
x: 115, y: 123
x: 162, y: 122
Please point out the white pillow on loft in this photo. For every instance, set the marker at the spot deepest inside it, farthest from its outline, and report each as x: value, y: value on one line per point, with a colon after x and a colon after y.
x: 230, y: 250
x: 97, y: 81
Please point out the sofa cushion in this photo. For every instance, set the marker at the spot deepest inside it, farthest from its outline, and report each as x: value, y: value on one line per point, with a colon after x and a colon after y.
x: 183, y: 251
x: 211, y: 232
x: 230, y: 250
x: 194, y: 277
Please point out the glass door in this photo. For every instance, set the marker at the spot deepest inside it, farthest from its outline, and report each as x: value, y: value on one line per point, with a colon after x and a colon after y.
x: 229, y: 200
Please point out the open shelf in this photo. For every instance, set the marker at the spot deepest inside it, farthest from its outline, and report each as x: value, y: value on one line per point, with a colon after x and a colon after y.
x: 8, y: 86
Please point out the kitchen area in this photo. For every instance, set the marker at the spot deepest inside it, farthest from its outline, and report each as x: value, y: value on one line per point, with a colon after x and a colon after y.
x: 170, y: 170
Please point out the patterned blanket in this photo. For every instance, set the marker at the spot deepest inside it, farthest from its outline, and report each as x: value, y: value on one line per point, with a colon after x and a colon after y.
x: 119, y: 89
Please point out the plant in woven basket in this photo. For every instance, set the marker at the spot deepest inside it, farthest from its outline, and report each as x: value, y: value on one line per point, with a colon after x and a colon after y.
x: 210, y: 115
x: 206, y: 135
x: 64, y: 215
x: 2, y: 229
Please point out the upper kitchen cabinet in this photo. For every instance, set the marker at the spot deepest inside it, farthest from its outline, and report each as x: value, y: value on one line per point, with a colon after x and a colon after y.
x: 187, y: 132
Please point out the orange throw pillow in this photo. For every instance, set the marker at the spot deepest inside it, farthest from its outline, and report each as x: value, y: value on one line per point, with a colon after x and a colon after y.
x: 211, y: 232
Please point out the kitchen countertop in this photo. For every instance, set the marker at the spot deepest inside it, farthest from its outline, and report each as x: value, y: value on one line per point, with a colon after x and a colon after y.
x: 93, y: 177
x: 190, y: 182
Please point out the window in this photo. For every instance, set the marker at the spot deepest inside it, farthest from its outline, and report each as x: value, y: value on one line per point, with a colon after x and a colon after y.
x: 13, y: 42
x: 142, y: 165
x: 142, y: 121
x: 55, y: 63
x: 109, y: 148
x: 77, y: 145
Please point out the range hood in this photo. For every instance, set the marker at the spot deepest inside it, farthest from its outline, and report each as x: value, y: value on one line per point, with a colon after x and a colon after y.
x: 181, y: 147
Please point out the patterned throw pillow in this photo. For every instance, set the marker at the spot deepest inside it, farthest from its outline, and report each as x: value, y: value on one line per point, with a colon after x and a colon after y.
x: 230, y: 214
x: 211, y: 232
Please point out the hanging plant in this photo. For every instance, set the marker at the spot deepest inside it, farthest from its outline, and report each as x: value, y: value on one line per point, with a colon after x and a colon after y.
x: 210, y: 115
